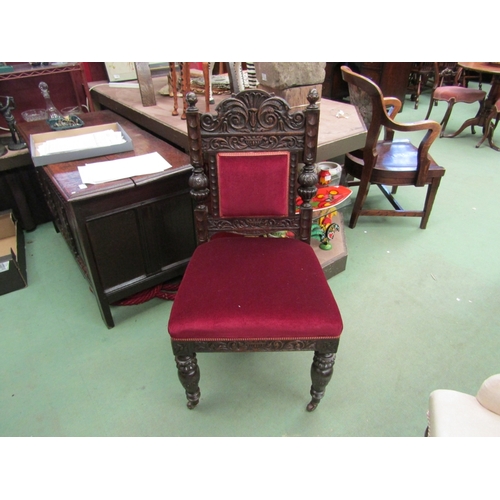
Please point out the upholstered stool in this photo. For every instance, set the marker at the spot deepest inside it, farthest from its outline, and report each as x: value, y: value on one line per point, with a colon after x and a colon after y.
x: 451, y: 95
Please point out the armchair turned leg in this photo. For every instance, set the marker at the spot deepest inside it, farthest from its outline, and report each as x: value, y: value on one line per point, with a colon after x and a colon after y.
x: 321, y: 374
x: 363, y: 189
x: 429, y: 201
x: 189, y: 375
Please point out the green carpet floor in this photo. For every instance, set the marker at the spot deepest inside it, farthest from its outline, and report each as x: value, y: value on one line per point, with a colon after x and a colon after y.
x: 419, y: 308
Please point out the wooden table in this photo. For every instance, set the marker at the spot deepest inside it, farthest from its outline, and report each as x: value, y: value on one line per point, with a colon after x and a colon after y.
x: 127, y: 235
x: 485, y: 114
x: 19, y: 188
x: 340, y: 128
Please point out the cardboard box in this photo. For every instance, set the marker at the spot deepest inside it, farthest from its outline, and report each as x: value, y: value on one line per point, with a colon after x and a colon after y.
x: 12, y: 255
x: 37, y: 139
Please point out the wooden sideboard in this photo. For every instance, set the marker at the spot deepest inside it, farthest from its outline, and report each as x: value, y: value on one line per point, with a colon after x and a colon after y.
x: 391, y: 77
x: 20, y: 190
x: 67, y: 84
x: 126, y: 235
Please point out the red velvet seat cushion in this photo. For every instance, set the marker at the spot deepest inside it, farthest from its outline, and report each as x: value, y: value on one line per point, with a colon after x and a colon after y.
x: 461, y: 94
x: 254, y: 288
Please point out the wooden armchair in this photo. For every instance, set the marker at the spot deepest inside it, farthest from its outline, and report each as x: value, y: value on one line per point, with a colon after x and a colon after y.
x: 254, y: 282
x: 388, y: 162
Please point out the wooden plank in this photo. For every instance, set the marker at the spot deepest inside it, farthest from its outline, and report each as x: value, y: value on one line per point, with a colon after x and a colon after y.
x: 145, y: 81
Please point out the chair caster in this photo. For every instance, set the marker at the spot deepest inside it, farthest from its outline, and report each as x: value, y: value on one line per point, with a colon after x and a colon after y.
x: 192, y: 404
x: 312, y: 405
x: 193, y: 400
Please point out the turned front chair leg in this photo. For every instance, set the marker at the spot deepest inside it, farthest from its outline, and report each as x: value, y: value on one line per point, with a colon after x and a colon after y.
x: 429, y: 201
x: 321, y: 374
x: 189, y: 375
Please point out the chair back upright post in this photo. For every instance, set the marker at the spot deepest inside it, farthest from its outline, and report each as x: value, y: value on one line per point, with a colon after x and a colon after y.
x: 253, y: 122
x: 198, y: 181
x: 368, y: 100
x: 308, y: 178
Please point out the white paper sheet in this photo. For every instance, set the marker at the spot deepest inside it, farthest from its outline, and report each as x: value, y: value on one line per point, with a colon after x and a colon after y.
x: 112, y: 170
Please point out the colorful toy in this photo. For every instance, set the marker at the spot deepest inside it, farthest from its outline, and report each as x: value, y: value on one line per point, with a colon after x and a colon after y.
x: 324, y: 230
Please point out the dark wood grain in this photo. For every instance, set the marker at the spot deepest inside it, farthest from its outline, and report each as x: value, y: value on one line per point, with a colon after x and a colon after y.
x: 126, y: 235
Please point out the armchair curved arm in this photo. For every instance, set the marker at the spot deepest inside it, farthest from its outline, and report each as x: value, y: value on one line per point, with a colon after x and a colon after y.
x: 414, y: 126
x: 395, y: 104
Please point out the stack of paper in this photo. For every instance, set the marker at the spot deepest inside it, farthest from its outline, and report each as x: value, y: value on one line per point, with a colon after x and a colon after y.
x: 112, y: 170
x: 79, y: 142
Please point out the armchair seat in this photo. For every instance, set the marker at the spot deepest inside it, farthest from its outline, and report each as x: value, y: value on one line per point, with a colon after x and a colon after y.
x: 398, y: 157
x: 457, y: 414
x: 246, y: 289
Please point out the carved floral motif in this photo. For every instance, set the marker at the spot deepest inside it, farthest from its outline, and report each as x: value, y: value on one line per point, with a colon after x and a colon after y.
x: 252, y: 223
x: 189, y: 347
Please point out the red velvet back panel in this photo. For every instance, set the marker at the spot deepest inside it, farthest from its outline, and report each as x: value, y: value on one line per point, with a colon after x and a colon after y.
x: 253, y: 184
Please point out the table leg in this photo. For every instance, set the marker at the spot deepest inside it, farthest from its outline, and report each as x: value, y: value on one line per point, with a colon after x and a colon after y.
x: 490, y: 127
x: 485, y: 115
x: 478, y: 120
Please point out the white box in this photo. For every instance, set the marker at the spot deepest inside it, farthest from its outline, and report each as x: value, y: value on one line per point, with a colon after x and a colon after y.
x: 37, y: 139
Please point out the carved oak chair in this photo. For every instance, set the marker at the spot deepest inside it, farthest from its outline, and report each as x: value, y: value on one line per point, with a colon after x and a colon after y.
x: 244, y: 290
x: 452, y: 94
x: 388, y: 162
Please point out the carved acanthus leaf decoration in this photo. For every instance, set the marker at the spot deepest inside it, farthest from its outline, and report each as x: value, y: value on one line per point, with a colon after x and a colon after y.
x: 264, y: 142
x: 255, y: 112
x: 249, y: 223
x: 325, y: 345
